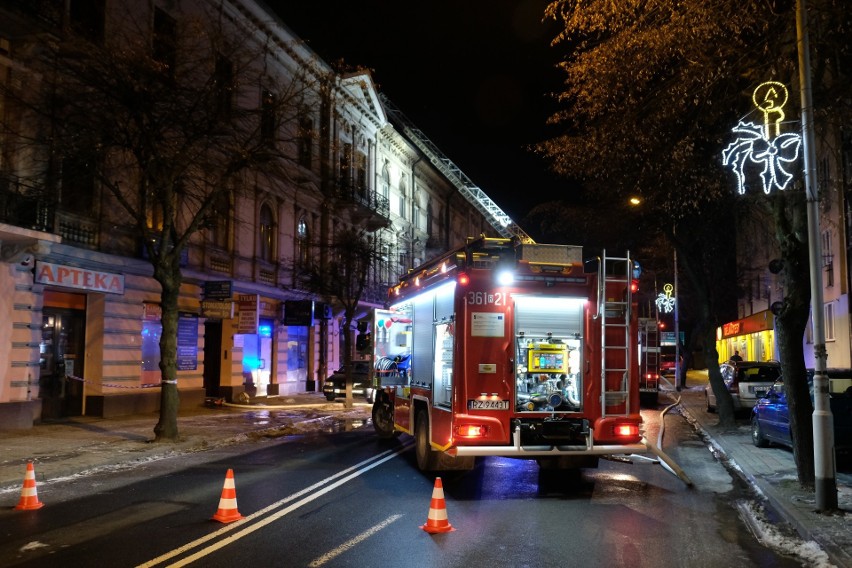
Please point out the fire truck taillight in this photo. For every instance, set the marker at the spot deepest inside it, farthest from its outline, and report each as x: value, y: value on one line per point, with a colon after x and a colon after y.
x: 471, y: 430
x: 626, y: 430
x: 464, y: 279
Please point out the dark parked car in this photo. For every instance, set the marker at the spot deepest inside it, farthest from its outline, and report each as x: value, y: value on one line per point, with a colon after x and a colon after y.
x: 770, y: 420
x: 335, y: 385
x: 747, y: 381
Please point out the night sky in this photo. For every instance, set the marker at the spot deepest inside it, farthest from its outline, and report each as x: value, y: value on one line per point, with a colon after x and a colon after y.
x: 473, y: 75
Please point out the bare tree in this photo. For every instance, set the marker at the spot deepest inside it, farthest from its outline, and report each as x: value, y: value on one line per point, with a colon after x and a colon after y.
x: 344, y: 277
x: 167, y: 121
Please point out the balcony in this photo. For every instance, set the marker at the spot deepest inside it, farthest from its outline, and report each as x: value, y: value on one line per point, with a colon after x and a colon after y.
x: 366, y: 207
x: 35, y: 211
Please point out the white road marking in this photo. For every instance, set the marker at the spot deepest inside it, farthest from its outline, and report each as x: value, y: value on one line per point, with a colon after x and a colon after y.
x: 349, y: 473
x: 332, y: 554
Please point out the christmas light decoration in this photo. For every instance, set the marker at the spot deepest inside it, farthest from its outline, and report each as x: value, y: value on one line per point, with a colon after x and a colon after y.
x: 764, y: 145
x: 665, y: 302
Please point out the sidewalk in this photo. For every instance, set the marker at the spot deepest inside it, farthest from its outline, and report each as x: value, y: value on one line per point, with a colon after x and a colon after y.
x: 85, y: 445
x: 772, y: 472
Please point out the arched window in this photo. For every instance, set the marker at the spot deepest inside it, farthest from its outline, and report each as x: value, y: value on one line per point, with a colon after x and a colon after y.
x: 302, y: 243
x: 220, y: 221
x: 386, y: 181
x: 267, y: 233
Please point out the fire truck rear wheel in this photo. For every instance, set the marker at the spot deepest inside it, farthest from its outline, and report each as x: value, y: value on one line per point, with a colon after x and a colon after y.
x: 427, y: 458
x: 383, y: 418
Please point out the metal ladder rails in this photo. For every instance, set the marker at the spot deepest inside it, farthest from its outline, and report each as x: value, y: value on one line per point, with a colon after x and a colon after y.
x: 502, y: 222
x: 651, y: 353
x: 616, y: 315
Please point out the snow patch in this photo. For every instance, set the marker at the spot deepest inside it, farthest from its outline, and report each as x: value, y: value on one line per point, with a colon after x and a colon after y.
x: 34, y: 545
x: 809, y: 552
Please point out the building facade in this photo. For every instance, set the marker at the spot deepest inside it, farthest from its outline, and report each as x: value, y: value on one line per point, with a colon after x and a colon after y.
x: 80, y: 321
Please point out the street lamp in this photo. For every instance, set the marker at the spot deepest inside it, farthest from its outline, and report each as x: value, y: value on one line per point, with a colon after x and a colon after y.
x: 824, y: 466
x: 764, y: 144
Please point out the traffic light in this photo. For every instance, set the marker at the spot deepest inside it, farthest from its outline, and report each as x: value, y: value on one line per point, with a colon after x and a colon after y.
x: 364, y: 342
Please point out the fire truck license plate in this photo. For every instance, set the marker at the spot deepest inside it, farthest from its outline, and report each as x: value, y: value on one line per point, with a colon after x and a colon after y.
x: 488, y: 405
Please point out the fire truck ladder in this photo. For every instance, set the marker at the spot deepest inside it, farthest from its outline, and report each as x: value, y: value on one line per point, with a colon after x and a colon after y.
x: 651, y: 355
x: 500, y: 220
x: 615, y: 347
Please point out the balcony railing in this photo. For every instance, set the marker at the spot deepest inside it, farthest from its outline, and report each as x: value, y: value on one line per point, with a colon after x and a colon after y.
x: 367, y: 206
x: 22, y: 210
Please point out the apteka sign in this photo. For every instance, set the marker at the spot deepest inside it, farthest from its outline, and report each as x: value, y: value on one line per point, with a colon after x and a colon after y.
x: 80, y: 278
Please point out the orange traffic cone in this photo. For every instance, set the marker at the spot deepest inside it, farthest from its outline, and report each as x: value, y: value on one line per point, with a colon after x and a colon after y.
x: 29, y: 495
x: 227, y: 512
x: 437, y: 521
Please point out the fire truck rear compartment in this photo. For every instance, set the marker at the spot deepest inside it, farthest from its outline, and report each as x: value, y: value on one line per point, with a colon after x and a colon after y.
x: 552, y: 431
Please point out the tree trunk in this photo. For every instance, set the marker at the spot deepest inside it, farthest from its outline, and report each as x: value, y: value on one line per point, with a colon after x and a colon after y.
x: 789, y: 213
x: 347, y: 358
x: 167, y: 427
x: 724, y: 402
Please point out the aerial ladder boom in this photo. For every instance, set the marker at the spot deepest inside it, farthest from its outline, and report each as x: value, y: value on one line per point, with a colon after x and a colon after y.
x: 478, y: 198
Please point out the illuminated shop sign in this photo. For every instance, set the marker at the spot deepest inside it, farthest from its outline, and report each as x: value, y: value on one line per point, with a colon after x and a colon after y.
x: 79, y: 278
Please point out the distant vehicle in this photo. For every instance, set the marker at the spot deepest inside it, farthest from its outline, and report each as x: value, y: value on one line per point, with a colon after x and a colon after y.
x: 387, y: 369
x: 770, y: 421
x: 335, y: 385
x: 747, y: 381
x: 668, y: 365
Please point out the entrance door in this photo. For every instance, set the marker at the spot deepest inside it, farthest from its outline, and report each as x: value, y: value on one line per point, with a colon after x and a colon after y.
x: 212, y: 357
x: 61, y: 360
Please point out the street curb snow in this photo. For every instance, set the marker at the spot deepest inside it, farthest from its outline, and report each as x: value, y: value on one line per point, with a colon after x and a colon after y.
x: 770, y: 500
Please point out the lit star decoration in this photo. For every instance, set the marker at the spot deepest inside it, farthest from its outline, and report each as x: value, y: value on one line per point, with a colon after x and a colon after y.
x: 665, y: 302
x: 759, y: 145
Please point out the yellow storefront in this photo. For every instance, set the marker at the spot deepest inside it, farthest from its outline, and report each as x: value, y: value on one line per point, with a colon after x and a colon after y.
x: 753, y: 337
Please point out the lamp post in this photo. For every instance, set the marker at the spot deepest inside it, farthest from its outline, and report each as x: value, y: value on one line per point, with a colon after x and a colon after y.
x: 824, y: 466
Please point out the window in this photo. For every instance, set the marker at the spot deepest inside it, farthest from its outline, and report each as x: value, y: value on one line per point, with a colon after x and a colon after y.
x: 302, y: 243
x: 268, y: 118
x: 78, y: 184
x: 386, y: 181
x: 267, y: 233
x: 827, y: 259
x: 829, y: 322
x: 165, y: 42
x: 154, y: 214
x: 305, y: 140
x: 361, y: 174
x: 224, y: 84
x: 87, y: 19
x: 415, y: 217
x: 221, y: 221
x: 384, y: 264
x: 346, y: 168
x: 403, y: 202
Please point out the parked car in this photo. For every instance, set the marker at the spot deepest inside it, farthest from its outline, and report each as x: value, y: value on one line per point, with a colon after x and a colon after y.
x: 747, y: 381
x: 335, y: 385
x: 770, y: 422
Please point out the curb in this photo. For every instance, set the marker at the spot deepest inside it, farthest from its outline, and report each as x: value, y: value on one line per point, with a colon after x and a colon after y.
x: 775, y: 504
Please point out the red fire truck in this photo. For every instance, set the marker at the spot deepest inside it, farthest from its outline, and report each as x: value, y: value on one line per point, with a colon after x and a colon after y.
x: 649, y: 362
x: 511, y: 349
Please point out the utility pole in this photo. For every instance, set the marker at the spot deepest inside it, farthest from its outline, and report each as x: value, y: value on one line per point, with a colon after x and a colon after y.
x: 824, y: 465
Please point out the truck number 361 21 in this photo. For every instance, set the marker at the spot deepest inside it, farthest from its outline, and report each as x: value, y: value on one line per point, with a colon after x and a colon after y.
x: 485, y: 298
